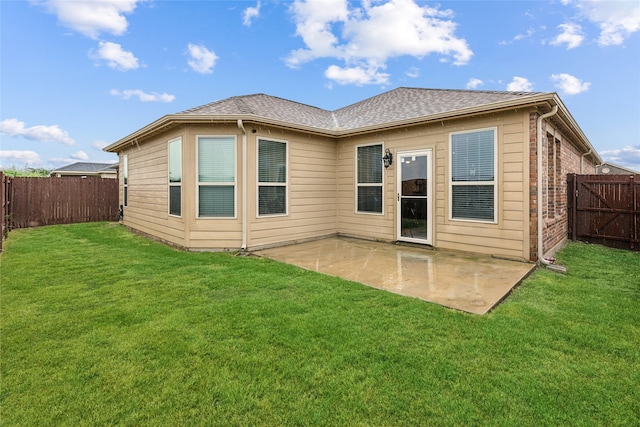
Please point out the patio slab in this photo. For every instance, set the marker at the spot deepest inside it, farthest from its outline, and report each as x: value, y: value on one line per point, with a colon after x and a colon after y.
x: 467, y: 282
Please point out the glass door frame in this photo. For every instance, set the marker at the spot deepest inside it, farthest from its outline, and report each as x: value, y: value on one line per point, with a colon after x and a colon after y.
x: 398, y: 157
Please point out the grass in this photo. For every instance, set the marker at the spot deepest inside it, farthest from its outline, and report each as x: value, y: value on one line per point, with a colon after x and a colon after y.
x: 102, y: 327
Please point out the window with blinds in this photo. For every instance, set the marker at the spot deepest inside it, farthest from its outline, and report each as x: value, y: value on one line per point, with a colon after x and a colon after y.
x: 272, y: 177
x: 473, y: 175
x: 175, y: 177
x: 369, y: 179
x: 216, y: 176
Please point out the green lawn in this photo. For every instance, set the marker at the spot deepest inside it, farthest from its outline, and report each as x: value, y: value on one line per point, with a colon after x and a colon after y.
x: 102, y: 327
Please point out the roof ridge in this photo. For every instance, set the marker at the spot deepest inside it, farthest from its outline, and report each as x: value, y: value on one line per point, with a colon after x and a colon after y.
x: 242, y: 105
x: 463, y: 90
x: 289, y: 100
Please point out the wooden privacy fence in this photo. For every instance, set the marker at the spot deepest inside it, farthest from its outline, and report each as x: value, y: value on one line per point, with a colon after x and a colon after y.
x: 32, y: 202
x: 605, y: 209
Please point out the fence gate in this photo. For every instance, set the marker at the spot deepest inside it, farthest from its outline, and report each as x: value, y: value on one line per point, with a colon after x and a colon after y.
x: 605, y: 209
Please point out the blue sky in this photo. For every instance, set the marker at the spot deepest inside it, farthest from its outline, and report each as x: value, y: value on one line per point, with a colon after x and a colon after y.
x: 78, y: 75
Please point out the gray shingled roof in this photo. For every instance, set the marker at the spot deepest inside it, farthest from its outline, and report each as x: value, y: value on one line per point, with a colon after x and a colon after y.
x: 270, y: 107
x: 408, y: 103
x: 389, y: 107
x: 87, y: 167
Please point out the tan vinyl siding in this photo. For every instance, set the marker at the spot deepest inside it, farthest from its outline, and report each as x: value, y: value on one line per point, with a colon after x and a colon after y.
x: 321, y: 187
x: 311, y: 191
x: 147, y: 210
x: 209, y: 233
x: 508, y: 237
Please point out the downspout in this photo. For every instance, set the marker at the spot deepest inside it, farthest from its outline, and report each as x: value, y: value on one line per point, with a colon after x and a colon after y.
x: 244, y: 185
x: 539, y: 181
x: 582, y: 161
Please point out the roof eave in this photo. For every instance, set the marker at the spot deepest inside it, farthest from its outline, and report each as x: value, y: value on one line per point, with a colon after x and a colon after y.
x: 162, y: 122
x: 174, y: 119
x: 572, y: 125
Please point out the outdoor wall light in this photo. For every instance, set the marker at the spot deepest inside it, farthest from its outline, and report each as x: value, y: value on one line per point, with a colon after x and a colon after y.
x: 388, y: 158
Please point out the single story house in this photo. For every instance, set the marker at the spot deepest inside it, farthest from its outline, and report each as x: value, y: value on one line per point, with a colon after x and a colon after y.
x: 103, y: 170
x: 477, y: 171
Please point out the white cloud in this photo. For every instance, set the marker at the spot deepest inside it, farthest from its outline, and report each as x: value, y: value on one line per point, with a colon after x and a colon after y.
x: 93, y: 17
x: 250, y: 13
x: 142, y: 96
x: 526, y: 35
x: 10, y: 158
x: 366, y: 37
x: 99, y: 145
x: 115, y: 57
x: 202, y: 60
x: 313, y: 24
x: 628, y: 156
x: 530, y: 32
x: 80, y: 155
x: 473, y: 83
x: 14, y: 127
x: 413, y: 72
x: 571, y: 35
x: 520, y: 84
x: 569, y: 84
x: 355, y: 75
x: 617, y: 19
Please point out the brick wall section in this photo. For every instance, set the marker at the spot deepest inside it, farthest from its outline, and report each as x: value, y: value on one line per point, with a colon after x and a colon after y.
x: 555, y: 227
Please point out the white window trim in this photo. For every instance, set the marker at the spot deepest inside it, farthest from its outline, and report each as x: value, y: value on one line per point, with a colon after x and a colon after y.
x: 173, y: 184
x: 485, y: 183
x: 271, y: 184
x: 357, y: 184
x: 234, y: 183
x: 125, y: 181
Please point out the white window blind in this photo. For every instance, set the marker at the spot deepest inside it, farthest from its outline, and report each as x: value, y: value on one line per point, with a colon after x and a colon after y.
x: 473, y: 180
x: 370, y: 164
x: 216, y: 176
x: 216, y: 201
x: 272, y: 177
x: 369, y: 179
x: 472, y: 156
x: 216, y: 159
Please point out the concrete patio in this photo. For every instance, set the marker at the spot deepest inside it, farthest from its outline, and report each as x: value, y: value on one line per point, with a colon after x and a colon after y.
x: 467, y: 282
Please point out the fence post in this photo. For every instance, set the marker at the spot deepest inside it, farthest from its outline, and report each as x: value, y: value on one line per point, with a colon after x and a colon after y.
x: 574, y: 203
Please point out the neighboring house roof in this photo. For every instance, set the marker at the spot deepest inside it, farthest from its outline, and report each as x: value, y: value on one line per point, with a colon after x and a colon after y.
x: 81, y: 168
x: 612, y: 169
x: 398, y: 107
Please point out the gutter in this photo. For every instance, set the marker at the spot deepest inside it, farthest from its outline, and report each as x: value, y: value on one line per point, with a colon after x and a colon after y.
x: 244, y: 184
x: 553, y: 111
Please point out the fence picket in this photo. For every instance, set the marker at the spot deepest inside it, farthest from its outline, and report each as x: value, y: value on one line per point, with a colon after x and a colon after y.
x: 30, y: 202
